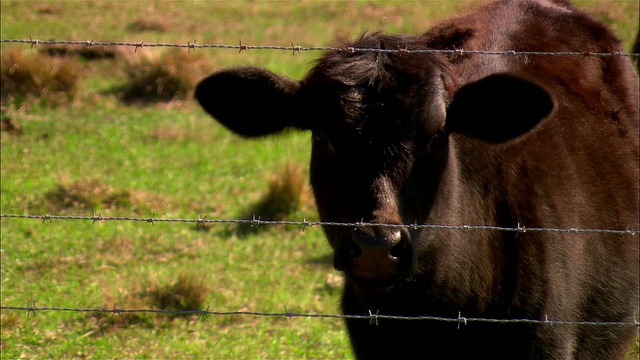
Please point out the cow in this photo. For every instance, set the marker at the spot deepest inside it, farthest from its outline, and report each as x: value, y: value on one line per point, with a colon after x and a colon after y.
x: 481, y: 141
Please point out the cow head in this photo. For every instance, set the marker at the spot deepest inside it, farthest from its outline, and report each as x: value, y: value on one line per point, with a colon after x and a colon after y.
x: 380, y: 124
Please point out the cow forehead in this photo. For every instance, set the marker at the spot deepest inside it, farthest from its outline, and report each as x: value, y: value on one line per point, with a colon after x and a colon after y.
x: 364, y: 115
x: 375, y: 112
x: 382, y: 91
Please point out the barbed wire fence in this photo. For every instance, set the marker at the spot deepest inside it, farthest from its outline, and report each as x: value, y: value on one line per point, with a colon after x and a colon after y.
x: 304, y: 224
x: 256, y: 221
x: 372, y: 317
x: 192, y: 46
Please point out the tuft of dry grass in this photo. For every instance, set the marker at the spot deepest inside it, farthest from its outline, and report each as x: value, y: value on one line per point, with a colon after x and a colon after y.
x: 92, y: 194
x: 83, y: 52
x: 284, y: 194
x: 171, y: 76
x: 87, y: 194
x: 25, y: 77
x: 106, y: 323
x: 142, y: 25
x: 9, y: 319
x: 49, y: 9
x: 10, y: 126
x: 187, y: 292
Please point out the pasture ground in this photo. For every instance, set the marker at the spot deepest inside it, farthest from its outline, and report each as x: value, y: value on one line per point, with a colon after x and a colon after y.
x: 98, y: 154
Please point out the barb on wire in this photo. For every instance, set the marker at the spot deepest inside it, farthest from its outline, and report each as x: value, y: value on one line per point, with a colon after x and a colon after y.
x: 31, y: 309
x: 461, y: 319
x: 242, y: 47
x: 256, y: 221
x: 372, y: 317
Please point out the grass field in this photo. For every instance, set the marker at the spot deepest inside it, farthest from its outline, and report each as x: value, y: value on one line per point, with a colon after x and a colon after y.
x: 97, y: 153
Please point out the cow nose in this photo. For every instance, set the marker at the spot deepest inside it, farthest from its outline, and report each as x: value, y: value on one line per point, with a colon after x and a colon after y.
x: 378, y: 251
x: 368, y: 240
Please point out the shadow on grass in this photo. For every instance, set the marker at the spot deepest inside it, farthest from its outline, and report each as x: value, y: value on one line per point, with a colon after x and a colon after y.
x: 322, y: 260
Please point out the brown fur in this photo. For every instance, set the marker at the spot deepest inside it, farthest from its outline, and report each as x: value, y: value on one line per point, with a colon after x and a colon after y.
x: 527, y: 140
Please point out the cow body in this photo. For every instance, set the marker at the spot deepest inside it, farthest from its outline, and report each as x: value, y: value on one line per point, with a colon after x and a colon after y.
x: 469, y: 139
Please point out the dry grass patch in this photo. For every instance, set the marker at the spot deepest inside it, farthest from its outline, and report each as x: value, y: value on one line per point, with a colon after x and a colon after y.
x: 83, y: 52
x: 287, y: 192
x: 25, y: 76
x: 49, y: 9
x: 87, y: 194
x: 172, y: 75
x: 9, y: 320
x: 103, y: 323
x: 142, y: 25
x: 55, y: 264
x: 117, y: 250
x: 168, y: 134
x: 91, y: 194
x: 10, y: 126
x: 186, y: 292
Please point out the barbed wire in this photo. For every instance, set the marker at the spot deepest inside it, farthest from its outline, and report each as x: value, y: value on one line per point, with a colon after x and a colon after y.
x: 297, y: 49
x: 372, y: 317
x: 256, y: 221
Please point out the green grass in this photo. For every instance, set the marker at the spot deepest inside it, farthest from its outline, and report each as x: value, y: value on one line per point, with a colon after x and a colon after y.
x: 97, y: 155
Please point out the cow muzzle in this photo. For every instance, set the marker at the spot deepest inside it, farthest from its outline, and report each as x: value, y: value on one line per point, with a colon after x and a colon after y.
x: 377, y: 254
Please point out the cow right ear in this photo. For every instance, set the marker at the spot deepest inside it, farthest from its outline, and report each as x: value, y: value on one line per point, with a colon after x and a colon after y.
x: 249, y: 101
x: 498, y: 108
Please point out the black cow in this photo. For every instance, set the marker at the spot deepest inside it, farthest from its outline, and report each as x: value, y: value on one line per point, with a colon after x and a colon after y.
x: 470, y: 139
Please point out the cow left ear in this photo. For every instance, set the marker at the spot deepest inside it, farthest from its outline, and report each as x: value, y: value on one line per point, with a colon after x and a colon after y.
x: 498, y: 108
x: 250, y: 101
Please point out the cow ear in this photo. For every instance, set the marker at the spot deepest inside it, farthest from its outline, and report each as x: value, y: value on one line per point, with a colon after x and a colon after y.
x: 249, y: 101
x: 498, y: 108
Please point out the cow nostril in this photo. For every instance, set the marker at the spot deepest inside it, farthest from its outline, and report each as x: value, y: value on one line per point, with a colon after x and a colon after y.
x: 397, y: 250
x: 365, y: 241
x: 401, y: 250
